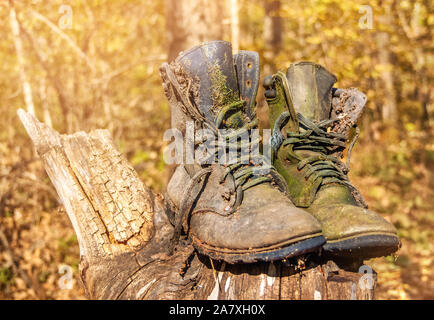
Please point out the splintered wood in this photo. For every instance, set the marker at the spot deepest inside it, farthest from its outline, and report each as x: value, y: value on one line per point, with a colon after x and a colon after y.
x: 97, y: 186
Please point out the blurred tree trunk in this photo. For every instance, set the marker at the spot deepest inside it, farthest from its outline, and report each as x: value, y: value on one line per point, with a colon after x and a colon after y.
x: 389, y: 108
x: 416, y: 36
x: 27, y: 90
x: 424, y: 97
x: 235, y: 25
x: 44, y: 102
x: 190, y: 22
x: 42, y: 57
x: 272, y: 34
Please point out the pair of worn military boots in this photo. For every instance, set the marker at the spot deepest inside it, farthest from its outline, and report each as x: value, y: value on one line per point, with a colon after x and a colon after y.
x: 255, y: 207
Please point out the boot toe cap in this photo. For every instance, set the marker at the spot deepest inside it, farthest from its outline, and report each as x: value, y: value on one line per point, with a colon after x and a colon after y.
x: 345, y: 221
x: 265, y: 219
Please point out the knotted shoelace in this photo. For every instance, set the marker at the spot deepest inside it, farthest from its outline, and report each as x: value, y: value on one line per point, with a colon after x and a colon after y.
x: 315, y: 137
x: 243, y: 171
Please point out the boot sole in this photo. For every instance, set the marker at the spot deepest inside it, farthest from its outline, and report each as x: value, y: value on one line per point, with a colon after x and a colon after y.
x: 267, y: 254
x: 363, y: 246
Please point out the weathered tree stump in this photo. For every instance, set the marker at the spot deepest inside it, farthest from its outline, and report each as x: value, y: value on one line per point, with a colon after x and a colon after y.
x: 123, y: 233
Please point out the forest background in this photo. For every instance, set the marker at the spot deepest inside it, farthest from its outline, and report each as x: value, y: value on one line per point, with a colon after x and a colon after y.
x: 82, y: 65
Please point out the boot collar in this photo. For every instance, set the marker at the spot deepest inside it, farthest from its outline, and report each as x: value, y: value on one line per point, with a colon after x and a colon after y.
x: 210, y: 70
x: 310, y: 89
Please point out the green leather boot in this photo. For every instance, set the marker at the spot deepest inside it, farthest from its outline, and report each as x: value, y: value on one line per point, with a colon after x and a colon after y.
x: 232, y: 212
x: 309, y: 134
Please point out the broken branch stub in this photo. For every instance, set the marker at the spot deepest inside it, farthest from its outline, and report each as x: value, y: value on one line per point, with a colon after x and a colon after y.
x: 110, y: 208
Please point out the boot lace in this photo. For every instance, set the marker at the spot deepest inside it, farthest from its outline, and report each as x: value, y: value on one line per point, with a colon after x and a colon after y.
x: 244, y: 171
x: 245, y: 174
x: 316, y: 137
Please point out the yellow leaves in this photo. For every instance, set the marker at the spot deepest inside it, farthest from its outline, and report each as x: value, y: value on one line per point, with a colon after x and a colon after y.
x: 314, y: 40
x: 379, y: 69
x: 430, y: 20
x: 114, y: 44
x: 335, y: 32
x: 410, y: 127
x: 378, y: 192
x: 383, y: 67
x: 404, y: 4
x: 123, y: 33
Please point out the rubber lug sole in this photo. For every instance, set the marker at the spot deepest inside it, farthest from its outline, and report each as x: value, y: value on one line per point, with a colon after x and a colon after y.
x: 289, y: 251
x: 369, y: 246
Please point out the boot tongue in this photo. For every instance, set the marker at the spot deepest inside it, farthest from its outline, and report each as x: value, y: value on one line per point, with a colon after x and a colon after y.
x: 247, y: 70
x: 310, y: 88
x: 210, y: 68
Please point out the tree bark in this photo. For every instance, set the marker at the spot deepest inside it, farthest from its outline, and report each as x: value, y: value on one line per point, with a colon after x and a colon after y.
x: 273, y: 30
x: 123, y: 233
x: 190, y: 22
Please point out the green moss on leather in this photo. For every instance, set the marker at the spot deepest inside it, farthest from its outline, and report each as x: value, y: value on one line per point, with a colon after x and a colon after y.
x: 221, y: 93
x: 332, y: 204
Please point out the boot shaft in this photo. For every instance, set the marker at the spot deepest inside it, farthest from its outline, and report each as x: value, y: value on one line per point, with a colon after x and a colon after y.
x: 305, y: 88
x: 300, y: 101
x: 310, y: 88
x: 211, y: 66
x: 200, y: 82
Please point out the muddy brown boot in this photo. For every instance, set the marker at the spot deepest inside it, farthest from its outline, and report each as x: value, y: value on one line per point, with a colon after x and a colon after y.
x: 235, y: 212
x: 307, y: 156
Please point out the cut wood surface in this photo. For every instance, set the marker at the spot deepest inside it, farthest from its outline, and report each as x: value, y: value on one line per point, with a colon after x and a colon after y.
x: 123, y: 234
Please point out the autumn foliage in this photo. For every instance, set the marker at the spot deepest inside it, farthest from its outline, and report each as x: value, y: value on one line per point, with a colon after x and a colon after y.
x: 83, y: 65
